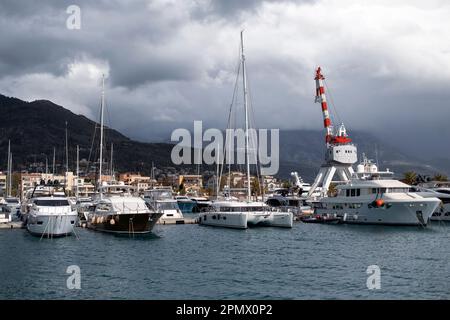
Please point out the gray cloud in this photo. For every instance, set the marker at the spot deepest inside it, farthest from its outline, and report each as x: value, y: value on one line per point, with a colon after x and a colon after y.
x: 172, y: 62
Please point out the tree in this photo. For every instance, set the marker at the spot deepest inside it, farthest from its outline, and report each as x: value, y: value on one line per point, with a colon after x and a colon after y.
x: 255, y: 187
x: 440, y: 177
x: 332, y: 190
x: 410, y: 177
x: 286, y: 184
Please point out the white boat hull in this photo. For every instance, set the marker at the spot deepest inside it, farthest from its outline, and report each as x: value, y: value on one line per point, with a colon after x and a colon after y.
x: 271, y: 219
x: 52, y: 225
x: 442, y: 213
x: 399, y: 213
x: 236, y: 220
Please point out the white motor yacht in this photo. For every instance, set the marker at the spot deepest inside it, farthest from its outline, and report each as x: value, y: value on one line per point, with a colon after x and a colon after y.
x: 378, y: 201
x: 50, y: 215
x: 162, y: 200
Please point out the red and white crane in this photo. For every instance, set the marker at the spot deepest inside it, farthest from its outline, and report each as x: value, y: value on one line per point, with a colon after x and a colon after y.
x: 341, y: 154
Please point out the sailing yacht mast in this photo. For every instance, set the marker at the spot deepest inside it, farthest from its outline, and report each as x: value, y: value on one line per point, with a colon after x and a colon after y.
x: 78, y: 170
x: 54, y: 159
x: 111, y: 167
x: 101, y: 135
x: 244, y: 80
x: 10, y: 175
x: 217, y: 173
x: 8, y: 169
x: 67, y: 152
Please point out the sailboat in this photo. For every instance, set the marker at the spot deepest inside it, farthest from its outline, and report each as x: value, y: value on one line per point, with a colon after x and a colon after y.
x: 242, y: 214
x: 116, y: 209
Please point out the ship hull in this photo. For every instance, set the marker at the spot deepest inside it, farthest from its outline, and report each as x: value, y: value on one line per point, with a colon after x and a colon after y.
x: 51, y: 225
x: 136, y: 223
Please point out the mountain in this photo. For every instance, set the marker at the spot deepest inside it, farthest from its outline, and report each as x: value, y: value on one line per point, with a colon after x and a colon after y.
x: 36, y: 127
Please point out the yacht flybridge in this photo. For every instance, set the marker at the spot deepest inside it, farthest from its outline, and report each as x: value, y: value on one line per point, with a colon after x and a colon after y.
x: 241, y: 214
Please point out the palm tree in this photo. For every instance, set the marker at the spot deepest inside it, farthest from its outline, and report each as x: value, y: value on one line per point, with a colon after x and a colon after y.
x: 410, y: 177
x: 440, y: 177
x: 332, y: 190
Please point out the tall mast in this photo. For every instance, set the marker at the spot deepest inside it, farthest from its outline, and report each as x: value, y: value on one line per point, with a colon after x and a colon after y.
x: 46, y: 165
x: 111, y: 167
x: 8, y: 169
x: 101, y: 135
x: 244, y: 80
x: 217, y: 173
x: 10, y: 175
x: 67, y: 152
x: 78, y: 169
x: 54, y: 159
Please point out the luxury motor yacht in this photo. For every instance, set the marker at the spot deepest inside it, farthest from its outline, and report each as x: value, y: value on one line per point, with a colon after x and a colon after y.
x: 440, y: 190
x: 49, y: 212
x: 162, y: 200
x: 185, y: 204
x: 378, y: 201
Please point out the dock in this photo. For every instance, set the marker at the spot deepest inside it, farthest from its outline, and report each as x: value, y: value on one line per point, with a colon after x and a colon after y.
x: 12, y: 225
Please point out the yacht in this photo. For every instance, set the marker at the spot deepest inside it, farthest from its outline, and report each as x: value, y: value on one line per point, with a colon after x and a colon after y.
x: 13, y: 204
x: 49, y: 213
x: 117, y: 210
x: 185, y: 204
x: 440, y: 190
x: 162, y: 200
x: 228, y: 214
x: 374, y: 197
x: 242, y: 214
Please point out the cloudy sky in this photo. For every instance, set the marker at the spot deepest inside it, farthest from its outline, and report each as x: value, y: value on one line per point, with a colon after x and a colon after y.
x: 168, y: 63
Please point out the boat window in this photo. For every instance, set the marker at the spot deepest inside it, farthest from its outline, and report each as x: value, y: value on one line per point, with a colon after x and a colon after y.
x: 168, y: 206
x: 347, y: 192
x: 374, y: 190
x: 353, y: 192
x: 51, y: 203
x: 358, y: 192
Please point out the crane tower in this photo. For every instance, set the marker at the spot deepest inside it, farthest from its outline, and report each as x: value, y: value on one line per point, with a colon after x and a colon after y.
x: 340, y: 154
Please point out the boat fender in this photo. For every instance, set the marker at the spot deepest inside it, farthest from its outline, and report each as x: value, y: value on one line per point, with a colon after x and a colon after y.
x: 112, y: 221
x: 379, y: 203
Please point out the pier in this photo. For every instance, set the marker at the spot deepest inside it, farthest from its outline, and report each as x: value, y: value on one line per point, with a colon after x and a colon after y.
x: 12, y: 225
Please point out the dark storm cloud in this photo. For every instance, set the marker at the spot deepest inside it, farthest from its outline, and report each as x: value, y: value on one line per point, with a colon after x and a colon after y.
x: 171, y: 62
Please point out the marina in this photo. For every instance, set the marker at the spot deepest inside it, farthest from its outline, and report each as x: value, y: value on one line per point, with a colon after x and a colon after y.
x: 167, y: 150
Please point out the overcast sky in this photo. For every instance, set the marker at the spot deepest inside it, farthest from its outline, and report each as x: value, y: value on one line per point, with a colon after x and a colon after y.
x: 168, y: 63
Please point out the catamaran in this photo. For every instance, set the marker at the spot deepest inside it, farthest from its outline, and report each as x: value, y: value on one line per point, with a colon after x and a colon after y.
x: 242, y: 214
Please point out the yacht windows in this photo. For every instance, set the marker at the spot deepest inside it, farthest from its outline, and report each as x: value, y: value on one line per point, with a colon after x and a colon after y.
x: 353, y: 192
x: 51, y: 203
x: 168, y: 206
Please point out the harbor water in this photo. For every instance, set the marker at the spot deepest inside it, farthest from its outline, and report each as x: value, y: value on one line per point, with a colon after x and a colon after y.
x: 309, y: 261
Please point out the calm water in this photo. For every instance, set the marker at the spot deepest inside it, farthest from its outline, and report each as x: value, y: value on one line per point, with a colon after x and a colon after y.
x: 193, y: 262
